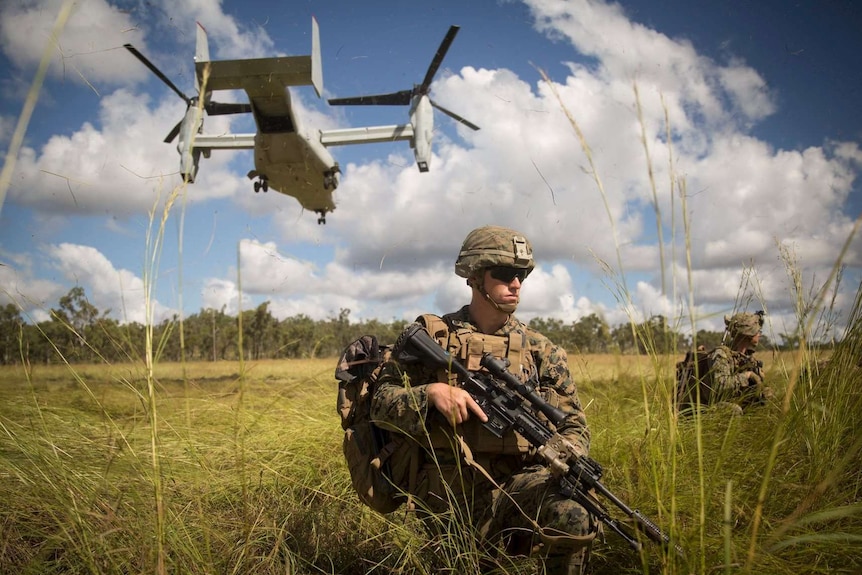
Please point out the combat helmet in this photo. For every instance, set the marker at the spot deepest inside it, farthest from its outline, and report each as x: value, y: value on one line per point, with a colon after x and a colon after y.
x: 744, y: 323
x: 491, y: 246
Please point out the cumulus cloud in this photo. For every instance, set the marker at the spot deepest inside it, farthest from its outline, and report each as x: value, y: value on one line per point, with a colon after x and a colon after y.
x: 122, y: 168
x: 7, y: 127
x: 21, y: 287
x: 89, y: 48
x: 228, y: 39
x: 526, y: 168
x: 117, y: 290
x: 221, y: 294
x: 589, y: 206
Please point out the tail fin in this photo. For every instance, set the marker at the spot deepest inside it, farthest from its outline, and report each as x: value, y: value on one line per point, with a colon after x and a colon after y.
x: 316, y: 65
x: 202, y: 50
x: 251, y: 74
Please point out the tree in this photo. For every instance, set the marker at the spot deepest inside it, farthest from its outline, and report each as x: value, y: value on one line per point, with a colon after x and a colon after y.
x: 591, y: 334
x: 623, y: 337
x: 554, y: 330
x: 296, y: 336
x: 259, y: 330
x: 664, y: 338
x: 10, y: 330
x: 221, y: 341
x: 708, y: 339
x: 77, y: 310
x: 74, y: 317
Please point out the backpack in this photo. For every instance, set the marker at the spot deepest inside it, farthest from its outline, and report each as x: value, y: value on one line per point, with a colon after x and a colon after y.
x: 378, y: 461
x: 693, y: 373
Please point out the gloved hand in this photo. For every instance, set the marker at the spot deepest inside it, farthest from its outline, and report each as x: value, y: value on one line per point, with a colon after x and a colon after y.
x: 754, y: 380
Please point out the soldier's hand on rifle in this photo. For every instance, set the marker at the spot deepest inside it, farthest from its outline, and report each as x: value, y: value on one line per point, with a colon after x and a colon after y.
x: 454, y: 403
x: 752, y: 379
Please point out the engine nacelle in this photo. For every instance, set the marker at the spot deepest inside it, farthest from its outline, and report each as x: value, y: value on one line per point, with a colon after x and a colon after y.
x: 192, y: 125
x: 422, y: 120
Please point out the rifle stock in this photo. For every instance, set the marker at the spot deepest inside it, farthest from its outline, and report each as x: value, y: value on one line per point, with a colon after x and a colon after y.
x: 579, y: 475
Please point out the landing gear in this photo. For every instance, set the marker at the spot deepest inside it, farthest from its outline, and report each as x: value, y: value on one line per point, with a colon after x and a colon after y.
x: 321, y: 220
x: 261, y: 184
x: 330, y: 181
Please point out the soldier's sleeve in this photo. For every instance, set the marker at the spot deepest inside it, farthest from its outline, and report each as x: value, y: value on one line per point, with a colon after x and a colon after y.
x: 723, y: 374
x: 554, y: 375
x: 398, y: 405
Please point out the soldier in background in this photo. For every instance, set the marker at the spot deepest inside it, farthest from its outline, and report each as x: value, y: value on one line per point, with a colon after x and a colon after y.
x: 728, y: 375
x: 466, y: 475
x: 737, y: 377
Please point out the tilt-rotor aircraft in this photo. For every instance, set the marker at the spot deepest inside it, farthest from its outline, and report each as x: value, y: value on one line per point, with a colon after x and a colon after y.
x: 287, y: 158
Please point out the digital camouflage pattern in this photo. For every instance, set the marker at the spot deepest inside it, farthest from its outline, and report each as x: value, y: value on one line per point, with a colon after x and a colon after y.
x: 735, y: 377
x: 519, y: 479
x: 748, y: 324
x: 493, y: 246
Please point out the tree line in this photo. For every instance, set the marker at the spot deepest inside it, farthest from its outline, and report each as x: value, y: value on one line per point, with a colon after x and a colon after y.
x: 78, y: 332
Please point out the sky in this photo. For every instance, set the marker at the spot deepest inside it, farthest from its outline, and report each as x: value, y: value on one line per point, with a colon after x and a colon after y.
x: 663, y: 157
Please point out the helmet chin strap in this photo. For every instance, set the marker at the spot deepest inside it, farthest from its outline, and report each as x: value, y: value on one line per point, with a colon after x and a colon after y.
x: 507, y: 308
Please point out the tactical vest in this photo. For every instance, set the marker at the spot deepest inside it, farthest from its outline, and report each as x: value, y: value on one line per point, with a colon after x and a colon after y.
x: 468, y: 347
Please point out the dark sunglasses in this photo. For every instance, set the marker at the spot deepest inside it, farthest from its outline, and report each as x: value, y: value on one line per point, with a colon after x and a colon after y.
x: 506, y: 274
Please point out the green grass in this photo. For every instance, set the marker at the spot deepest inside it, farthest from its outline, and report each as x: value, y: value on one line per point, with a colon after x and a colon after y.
x: 253, y: 481
x: 237, y: 467
x: 249, y: 490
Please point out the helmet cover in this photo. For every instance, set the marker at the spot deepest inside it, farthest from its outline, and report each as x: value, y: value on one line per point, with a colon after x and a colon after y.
x: 748, y: 324
x: 491, y: 246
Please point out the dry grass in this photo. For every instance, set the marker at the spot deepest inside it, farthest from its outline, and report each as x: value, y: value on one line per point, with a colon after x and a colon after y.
x: 260, y: 485
x: 236, y: 467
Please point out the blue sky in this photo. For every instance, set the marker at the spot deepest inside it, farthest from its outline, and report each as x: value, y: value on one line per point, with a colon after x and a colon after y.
x: 762, y: 100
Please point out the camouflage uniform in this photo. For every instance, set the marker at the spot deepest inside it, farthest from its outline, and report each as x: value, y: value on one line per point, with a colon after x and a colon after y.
x: 736, y: 377
x: 464, y: 474
x: 730, y: 382
x: 523, y: 490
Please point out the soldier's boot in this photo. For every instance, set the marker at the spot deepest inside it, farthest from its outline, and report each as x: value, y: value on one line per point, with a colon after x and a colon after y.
x: 572, y: 563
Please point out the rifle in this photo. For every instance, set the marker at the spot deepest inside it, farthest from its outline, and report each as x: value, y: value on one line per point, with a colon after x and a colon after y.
x: 751, y: 364
x: 579, y: 475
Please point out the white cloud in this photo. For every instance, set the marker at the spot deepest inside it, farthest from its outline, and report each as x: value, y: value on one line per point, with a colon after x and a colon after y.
x: 7, y: 127
x: 20, y: 286
x: 296, y: 286
x: 396, y: 232
x: 221, y: 294
x: 88, y: 49
x: 265, y: 271
x: 118, y: 290
x: 123, y: 169
x: 526, y: 168
x: 226, y: 38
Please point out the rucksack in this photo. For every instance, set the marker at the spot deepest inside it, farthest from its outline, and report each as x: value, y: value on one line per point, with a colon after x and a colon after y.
x: 693, y: 373
x: 378, y: 461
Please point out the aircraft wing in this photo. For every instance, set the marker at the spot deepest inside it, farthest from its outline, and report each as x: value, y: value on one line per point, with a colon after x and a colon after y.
x: 259, y: 76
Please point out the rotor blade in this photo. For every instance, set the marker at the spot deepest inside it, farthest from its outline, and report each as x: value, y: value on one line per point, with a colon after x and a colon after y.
x: 157, y: 72
x: 401, y: 98
x: 173, y: 133
x: 455, y: 116
x: 220, y: 109
x: 438, y: 58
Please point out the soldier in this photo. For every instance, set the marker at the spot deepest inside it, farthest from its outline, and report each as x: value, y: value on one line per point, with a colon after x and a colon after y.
x: 465, y: 475
x: 736, y: 376
x: 730, y: 376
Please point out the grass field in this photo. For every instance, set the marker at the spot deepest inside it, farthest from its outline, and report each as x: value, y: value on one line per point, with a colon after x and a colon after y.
x: 237, y: 468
